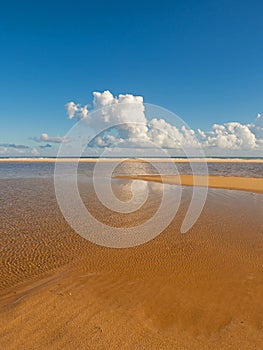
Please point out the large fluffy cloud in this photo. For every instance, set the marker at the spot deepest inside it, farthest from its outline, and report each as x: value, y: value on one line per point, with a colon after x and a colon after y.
x: 127, y: 114
x: 229, y: 136
x: 234, y: 135
x: 167, y: 135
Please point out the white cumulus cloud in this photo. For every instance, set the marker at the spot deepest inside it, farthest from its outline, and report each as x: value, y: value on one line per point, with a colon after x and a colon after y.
x: 52, y: 139
x: 127, y: 114
x: 232, y: 135
x: 131, y: 127
x: 76, y: 110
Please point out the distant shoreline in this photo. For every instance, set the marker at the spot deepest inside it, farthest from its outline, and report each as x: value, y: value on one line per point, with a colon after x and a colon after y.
x: 143, y: 159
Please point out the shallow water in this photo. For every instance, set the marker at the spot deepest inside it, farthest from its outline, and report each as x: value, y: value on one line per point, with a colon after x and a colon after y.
x: 46, y: 169
x: 35, y: 237
x: 34, y: 233
x: 203, y: 286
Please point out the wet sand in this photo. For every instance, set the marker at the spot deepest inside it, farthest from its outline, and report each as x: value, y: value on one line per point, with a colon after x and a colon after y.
x: 200, y: 290
x: 226, y: 182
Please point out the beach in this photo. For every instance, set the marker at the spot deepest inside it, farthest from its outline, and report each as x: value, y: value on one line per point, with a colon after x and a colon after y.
x: 131, y: 175
x: 198, y: 290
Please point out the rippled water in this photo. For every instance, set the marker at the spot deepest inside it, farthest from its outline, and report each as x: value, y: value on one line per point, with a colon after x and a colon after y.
x: 202, y: 282
x: 46, y: 169
x: 34, y: 236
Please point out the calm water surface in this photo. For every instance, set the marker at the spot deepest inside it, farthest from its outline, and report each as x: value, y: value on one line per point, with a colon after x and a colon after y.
x: 11, y: 170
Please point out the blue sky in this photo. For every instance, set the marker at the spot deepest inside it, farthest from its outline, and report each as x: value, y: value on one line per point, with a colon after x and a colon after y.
x: 200, y: 59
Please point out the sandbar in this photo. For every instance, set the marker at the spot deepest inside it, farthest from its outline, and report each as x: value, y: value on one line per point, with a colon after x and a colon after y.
x: 249, y: 184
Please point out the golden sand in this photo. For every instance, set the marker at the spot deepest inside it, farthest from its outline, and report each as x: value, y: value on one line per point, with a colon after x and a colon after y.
x: 200, y: 290
x: 226, y: 182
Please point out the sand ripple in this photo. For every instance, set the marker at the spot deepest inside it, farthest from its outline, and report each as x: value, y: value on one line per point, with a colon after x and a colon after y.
x: 200, y: 290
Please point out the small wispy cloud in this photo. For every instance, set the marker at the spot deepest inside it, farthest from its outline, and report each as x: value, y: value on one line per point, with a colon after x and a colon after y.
x: 45, y: 146
x: 14, y: 146
x: 52, y: 139
x: 12, y: 149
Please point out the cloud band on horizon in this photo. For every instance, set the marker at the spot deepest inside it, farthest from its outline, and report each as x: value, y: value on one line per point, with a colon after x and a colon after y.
x: 232, y: 136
